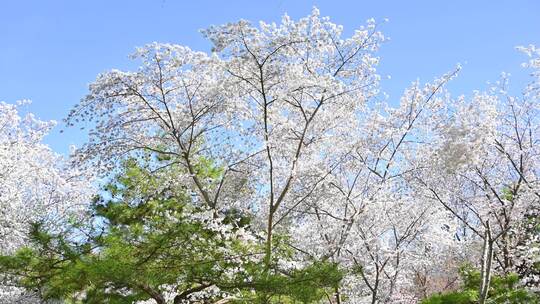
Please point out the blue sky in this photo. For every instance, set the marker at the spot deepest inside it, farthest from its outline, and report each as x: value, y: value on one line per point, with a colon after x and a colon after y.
x: 51, y: 50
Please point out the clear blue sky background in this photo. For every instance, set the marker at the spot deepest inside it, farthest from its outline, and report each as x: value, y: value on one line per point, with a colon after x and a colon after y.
x: 51, y: 50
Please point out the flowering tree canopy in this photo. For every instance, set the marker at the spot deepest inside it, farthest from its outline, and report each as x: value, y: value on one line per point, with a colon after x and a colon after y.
x: 285, y: 150
x: 37, y: 185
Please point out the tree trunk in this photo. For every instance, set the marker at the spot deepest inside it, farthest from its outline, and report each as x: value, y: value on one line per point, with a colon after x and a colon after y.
x: 375, y: 288
x: 338, y: 296
x: 153, y: 294
x: 268, y: 249
x: 487, y: 258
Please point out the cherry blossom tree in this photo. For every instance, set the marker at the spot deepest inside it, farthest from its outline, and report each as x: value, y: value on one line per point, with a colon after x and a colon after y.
x: 485, y: 170
x: 36, y: 185
x: 369, y: 218
x: 269, y: 104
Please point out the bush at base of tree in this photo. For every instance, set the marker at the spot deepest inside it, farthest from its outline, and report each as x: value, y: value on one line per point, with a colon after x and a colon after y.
x: 503, y: 289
